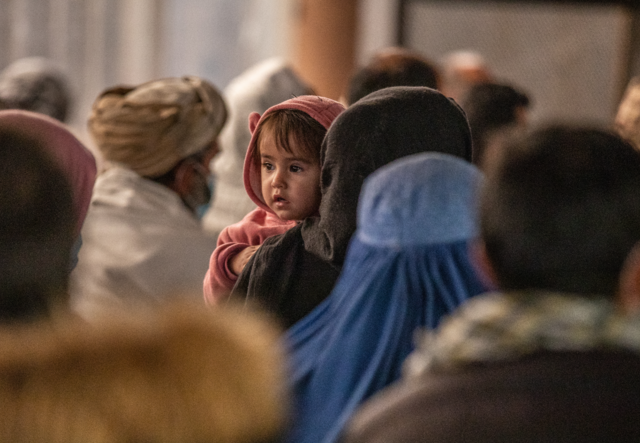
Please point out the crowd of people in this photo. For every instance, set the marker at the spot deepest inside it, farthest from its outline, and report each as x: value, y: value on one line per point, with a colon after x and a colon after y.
x: 413, y: 263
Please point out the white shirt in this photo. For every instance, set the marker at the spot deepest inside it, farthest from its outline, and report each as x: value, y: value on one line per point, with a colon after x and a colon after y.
x: 141, y: 245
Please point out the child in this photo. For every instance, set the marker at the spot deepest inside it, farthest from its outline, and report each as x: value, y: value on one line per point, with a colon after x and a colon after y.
x: 281, y: 175
x: 297, y: 270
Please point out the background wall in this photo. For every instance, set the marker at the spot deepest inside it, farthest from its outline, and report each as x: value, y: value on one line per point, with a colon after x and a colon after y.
x: 569, y: 58
x: 100, y: 43
x: 323, y: 39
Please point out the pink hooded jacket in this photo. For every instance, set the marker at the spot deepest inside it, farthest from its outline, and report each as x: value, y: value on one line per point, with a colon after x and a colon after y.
x: 260, y: 223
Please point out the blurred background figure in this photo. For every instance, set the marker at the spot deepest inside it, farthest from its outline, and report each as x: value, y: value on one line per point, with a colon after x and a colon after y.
x: 256, y: 90
x: 627, y: 119
x: 35, y: 84
x: 461, y: 70
x: 36, y: 229
x: 392, y: 67
x: 142, y: 240
x: 492, y: 108
x: 47, y: 178
x: 77, y: 162
x: 179, y: 375
x: 554, y: 51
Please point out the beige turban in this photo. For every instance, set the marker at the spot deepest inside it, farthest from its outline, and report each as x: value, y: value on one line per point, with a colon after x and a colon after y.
x: 627, y: 121
x: 150, y: 128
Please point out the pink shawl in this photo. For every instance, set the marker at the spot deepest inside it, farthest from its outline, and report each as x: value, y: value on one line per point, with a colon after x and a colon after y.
x: 76, y: 161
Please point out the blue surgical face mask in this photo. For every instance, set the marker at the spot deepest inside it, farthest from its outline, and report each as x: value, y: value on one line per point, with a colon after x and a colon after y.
x: 75, y: 249
x: 211, y: 183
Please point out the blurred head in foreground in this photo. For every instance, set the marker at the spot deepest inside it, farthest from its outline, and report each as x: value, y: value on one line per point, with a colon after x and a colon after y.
x: 37, y: 225
x: 180, y: 375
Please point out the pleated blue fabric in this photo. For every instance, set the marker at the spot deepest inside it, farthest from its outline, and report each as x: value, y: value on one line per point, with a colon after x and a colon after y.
x: 406, y: 267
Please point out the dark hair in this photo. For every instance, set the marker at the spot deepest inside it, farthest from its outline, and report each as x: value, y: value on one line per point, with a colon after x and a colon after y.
x: 489, y: 108
x: 36, y: 229
x: 560, y: 210
x: 398, y: 67
x: 286, y: 123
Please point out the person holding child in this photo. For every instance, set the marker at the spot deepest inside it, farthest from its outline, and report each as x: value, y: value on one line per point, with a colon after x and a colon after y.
x: 294, y: 272
x: 282, y: 176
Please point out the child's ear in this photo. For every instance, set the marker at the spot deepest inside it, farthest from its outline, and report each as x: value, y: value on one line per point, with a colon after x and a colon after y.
x: 254, y: 118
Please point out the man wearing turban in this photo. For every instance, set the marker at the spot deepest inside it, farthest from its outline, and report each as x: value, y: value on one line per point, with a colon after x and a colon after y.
x: 142, y: 242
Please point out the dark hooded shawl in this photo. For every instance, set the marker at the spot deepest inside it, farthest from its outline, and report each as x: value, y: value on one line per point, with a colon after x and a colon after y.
x: 293, y: 272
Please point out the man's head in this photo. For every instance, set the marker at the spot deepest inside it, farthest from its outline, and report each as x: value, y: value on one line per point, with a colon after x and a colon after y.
x: 490, y: 108
x: 36, y: 229
x: 35, y: 84
x: 164, y: 130
x: 461, y: 70
x: 560, y: 211
x: 392, y: 67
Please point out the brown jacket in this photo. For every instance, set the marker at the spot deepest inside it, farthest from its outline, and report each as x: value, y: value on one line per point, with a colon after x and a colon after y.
x: 547, y: 397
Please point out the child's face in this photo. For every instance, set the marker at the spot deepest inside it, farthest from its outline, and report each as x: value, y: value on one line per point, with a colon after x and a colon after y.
x: 290, y: 182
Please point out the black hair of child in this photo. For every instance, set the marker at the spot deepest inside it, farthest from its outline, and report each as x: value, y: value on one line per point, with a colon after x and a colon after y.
x: 292, y: 124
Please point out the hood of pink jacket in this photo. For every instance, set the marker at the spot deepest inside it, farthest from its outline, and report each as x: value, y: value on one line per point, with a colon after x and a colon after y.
x: 76, y: 161
x: 322, y: 109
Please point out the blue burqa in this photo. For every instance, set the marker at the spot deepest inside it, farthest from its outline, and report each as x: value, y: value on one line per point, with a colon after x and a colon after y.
x: 407, y: 265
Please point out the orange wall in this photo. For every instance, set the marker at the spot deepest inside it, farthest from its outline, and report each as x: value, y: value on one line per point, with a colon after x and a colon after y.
x: 323, y: 46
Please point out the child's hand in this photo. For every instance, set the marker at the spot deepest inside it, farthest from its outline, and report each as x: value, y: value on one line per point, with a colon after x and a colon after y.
x: 239, y: 261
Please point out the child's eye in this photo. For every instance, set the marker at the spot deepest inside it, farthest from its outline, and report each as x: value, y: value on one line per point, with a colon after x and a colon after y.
x: 267, y: 166
x: 295, y: 168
